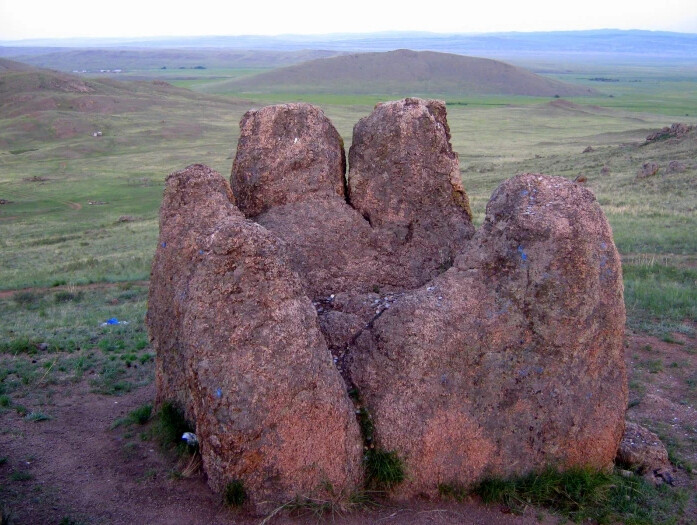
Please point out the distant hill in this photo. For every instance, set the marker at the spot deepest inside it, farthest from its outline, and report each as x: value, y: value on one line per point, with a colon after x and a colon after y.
x: 404, y: 72
x: 41, y: 106
x: 596, y: 45
x: 94, y: 60
x: 11, y: 65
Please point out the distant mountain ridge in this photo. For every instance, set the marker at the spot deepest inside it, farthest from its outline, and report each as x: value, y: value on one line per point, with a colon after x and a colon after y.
x: 595, y: 42
x: 404, y: 72
x: 69, y: 59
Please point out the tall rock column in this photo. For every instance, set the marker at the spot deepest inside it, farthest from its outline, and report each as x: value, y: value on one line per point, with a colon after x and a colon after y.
x: 250, y: 364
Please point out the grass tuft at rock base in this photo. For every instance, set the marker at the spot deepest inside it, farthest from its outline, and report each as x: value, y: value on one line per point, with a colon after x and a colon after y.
x: 383, y: 470
x: 235, y: 494
x: 581, y: 494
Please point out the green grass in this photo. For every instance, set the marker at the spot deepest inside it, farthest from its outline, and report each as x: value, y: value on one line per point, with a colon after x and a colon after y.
x: 21, y: 476
x: 234, y: 494
x: 46, y: 341
x: 585, y: 494
x: 37, y: 416
x: 138, y: 416
x: 656, y: 291
x: 49, y: 232
x: 384, y: 470
x: 170, y: 426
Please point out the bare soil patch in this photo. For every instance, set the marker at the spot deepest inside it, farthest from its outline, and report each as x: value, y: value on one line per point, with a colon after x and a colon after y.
x: 663, y: 398
x: 73, y: 466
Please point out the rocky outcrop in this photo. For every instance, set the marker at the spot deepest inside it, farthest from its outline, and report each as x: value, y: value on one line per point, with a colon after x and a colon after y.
x: 648, y: 169
x: 642, y: 450
x: 405, y: 181
x: 511, y: 359
x: 194, y: 201
x: 490, y: 353
x: 675, y: 166
x: 406, y: 212
x: 286, y: 153
x: 239, y: 348
x: 674, y: 131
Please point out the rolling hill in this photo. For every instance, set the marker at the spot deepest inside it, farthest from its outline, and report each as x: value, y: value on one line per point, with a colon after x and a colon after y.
x: 40, y: 107
x: 403, y: 72
x: 633, y: 46
x: 94, y: 60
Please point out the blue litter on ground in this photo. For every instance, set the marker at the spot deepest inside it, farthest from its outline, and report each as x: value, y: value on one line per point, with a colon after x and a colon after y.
x: 113, y: 321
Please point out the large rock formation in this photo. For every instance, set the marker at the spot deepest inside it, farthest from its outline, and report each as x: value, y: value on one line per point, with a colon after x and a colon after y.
x: 407, y: 214
x: 512, y: 359
x: 475, y: 354
x: 240, y: 350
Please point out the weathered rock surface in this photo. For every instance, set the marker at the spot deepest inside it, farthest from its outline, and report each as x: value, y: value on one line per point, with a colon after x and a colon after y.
x: 675, y: 166
x: 401, y: 226
x: 642, y: 450
x: 286, y: 153
x: 405, y: 180
x: 648, y: 169
x: 194, y: 201
x: 512, y: 359
x: 498, y: 352
x: 239, y: 347
x: 675, y: 130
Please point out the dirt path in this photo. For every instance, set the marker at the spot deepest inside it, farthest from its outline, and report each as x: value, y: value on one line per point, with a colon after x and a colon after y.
x: 74, y: 467
x: 79, y: 469
x: 4, y: 294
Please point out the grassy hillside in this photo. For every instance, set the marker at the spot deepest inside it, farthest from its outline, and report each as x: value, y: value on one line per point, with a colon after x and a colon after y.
x: 79, y: 208
x: 65, y: 190
x: 11, y: 65
x: 404, y: 72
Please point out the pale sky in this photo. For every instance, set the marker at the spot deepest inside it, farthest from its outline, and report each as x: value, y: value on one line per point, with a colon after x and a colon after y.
x: 22, y: 19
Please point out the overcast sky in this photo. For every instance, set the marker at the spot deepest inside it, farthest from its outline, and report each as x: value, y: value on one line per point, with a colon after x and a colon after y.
x: 21, y: 19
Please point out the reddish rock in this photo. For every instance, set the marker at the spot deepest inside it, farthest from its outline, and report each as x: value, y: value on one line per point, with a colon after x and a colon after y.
x: 497, y: 353
x: 642, y: 450
x: 194, y: 200
x: 512, y: 359
x: 405, y: 180
x: 288, y: 175
x: 250, y: 363
x: 286, y: 153
x: 648, y: 169
x: 331, y: 246
x: 334, y: 245
x: 676, y: 130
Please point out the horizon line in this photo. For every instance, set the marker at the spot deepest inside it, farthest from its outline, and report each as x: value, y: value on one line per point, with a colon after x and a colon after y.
x: 27, y: 41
